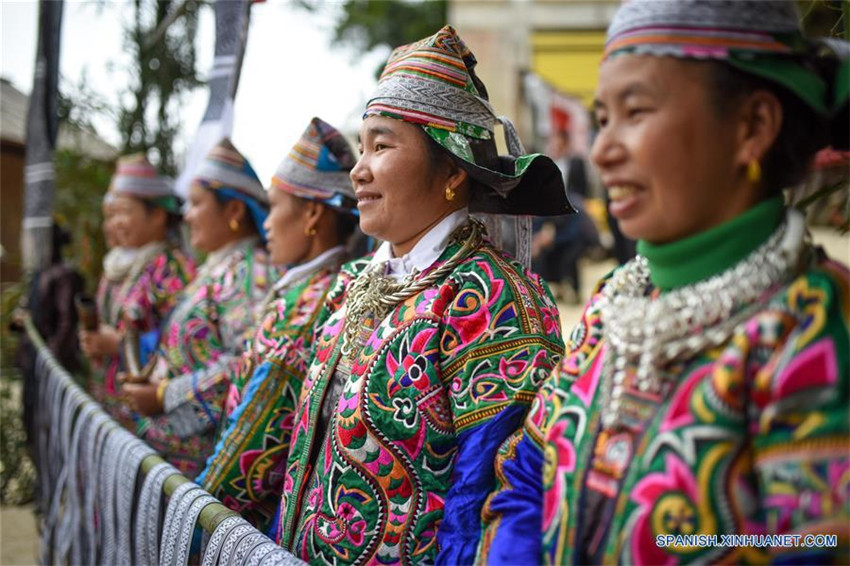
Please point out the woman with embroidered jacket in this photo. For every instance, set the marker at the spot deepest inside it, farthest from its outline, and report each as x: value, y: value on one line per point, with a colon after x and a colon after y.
x: 116, y: 264
x: 312, y: 216
x: 705, y: 390
x: 204, y: 337
x: 152, y: 270
x: 428, y: 351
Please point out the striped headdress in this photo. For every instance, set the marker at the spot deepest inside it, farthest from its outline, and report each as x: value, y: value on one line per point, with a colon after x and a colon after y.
x: 704, y: 28
x: 226, y: 168
x: 759, y: 37
x: 432, y: 83
x: 135, y: 176
x: 317, y: 168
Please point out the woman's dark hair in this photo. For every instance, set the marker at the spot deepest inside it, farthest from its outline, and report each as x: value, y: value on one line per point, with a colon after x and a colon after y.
x: 345, y: 226
x: 801, y: 135
x: 60, y: 238
x: 173, y: 221
x: 438, y: 157
x: 221, y: 199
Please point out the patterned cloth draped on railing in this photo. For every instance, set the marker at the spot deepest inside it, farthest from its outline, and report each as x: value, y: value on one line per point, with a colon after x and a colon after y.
x: 102, y: 490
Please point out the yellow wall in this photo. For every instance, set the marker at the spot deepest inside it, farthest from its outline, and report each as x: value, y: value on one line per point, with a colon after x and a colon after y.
x: 569, y: 60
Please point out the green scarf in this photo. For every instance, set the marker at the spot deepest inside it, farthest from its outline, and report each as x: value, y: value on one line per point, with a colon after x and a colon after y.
x: 710, y: 252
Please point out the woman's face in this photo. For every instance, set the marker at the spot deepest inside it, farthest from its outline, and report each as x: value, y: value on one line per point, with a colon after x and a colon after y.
x: 285, y: 227
x: 399, y: 195
x: 110, y: 234
x: 666, y: 157
x: 135, y: 224
x: 209, y: 226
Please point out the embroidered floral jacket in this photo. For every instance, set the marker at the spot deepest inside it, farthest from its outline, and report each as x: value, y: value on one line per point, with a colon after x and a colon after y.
x: 107, y: 301
x: 149, y: 294
x: 407, y: 462
x: 201, y: 346
x: 246, y: 470
x: 754, y: 438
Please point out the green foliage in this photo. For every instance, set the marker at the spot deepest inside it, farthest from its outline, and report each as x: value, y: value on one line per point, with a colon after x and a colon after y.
x: 79, y: 105
x: 17, y: 473
x: 9, y: 299
x: 365, y: 24
x: 828, y: 18
x: 825, y: 18
x: 163, y: 70
x: 80, y: 185
x: 393, y: 23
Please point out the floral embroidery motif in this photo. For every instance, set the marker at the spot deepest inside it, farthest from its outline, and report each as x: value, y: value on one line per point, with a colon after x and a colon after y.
x: 451, y: 367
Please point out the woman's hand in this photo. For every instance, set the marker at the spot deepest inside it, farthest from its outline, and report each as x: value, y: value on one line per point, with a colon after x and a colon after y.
x: 155, y: 371
x: 102, y: 343
x: 142, y: 398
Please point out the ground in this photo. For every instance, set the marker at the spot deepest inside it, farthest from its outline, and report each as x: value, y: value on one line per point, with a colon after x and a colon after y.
x: 18, y: 538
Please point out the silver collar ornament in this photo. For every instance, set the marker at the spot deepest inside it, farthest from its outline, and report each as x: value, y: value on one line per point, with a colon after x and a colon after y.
x: 645, y: 335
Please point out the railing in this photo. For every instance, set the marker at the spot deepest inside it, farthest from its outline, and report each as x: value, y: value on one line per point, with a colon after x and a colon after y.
x: 102, y: 491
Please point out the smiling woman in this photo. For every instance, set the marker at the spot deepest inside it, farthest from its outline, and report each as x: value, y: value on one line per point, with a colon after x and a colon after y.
x: 430, y: 350
x: 401, y: 213
x: 705, y: 390
x: 183, y: 390
x: 312, y: 216
x: 145, y: 213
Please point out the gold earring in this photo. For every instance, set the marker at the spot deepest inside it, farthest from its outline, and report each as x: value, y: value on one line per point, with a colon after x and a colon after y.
x: 754, y: 172
x: 450, y: 193
x: 309, y: 231
x: 234, y: 225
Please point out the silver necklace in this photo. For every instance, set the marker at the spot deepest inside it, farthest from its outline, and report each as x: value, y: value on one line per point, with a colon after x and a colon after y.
x: 376, y: 295
x: 646, y: 335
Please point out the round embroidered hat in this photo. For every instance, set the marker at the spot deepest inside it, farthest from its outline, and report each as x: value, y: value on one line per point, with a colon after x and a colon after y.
x: 225, y: 167
x: 135, y: 176
x: 229, y: 173
x: 759, y: 37
x: 317, y: 168
x: 432, y: 83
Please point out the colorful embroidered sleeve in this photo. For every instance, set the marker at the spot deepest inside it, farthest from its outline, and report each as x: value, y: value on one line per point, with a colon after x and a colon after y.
x: 525, y: 472
x: 802, y: 426
x: 501, y: 338
x: 154, y: 293
x: 247, y: 468
x: 211, y: 347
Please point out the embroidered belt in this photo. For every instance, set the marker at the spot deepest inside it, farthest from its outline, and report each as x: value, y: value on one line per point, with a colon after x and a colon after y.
x: 147, y: 519
x: 221, y: 533
x: 182, y: 497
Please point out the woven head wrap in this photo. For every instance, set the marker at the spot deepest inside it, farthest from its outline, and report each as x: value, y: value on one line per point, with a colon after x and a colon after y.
x: 136, y: 177
x: 317, y: 168
x: 432, y: 83
x: 227, y: 172
x: 759, y: 37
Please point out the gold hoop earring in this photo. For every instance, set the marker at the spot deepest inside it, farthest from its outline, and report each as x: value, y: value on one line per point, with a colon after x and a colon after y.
x: 234, y: 225
x: 450, y: 193
x: 754, y: 172
x: 309, y: 231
